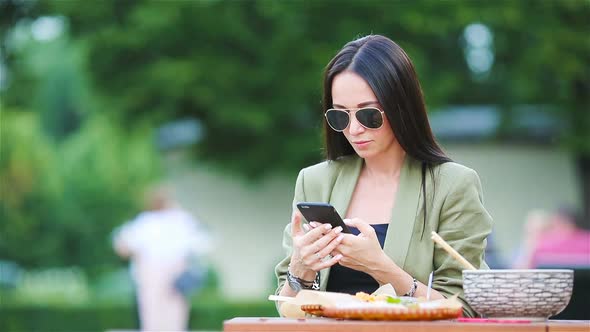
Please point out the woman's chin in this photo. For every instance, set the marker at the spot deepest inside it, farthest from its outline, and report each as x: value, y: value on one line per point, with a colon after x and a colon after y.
x: 364, y: 153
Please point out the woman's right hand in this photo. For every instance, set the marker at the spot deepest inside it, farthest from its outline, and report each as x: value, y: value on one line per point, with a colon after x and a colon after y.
x: 312, y: 247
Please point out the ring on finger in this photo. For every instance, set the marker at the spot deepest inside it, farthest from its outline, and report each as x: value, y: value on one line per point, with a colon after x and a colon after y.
x: 326, y: 258
x: 317, y: 255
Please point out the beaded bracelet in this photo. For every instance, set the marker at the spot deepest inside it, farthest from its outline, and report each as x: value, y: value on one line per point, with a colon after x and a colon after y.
x: 305, y: 284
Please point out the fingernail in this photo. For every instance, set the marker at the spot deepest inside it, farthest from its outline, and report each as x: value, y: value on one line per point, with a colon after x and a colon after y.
x: 328, y: 226
x: 313, y: 224
x: 338, y: 230
x: 338, y: 256
x: 340, y: 238
x: 306, y: 227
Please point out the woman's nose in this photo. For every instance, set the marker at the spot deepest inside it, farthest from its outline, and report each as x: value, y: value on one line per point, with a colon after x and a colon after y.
x: 355, y: 127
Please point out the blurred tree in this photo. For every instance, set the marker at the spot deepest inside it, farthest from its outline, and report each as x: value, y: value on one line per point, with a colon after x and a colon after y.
x: 24, y: 158
x: 68, y: 174
x: 251, y: 70
x: 13, y: 13
x: 62, y: 201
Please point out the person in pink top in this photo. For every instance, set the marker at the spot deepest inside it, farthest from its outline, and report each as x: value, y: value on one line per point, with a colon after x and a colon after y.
x: 564, y: 241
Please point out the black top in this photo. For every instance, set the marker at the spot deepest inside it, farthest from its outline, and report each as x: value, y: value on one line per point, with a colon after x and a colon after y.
x: 345, y: 280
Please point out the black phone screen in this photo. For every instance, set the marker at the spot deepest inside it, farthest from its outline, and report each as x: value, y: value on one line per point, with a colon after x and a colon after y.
x: 322, y: 212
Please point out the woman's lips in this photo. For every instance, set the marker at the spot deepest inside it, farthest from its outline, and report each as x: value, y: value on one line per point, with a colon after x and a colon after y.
x: 361, y: 144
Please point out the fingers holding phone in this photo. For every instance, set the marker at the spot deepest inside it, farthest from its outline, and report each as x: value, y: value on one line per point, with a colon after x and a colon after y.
x: 296, y: 224
x: 328, y: 243
x: 311, y: 248
x: 323, y: 246
x: 360, y: 252
x: 317, y: 255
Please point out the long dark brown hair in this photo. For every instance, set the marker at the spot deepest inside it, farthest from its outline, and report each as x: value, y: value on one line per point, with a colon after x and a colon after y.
x: 391, y: 75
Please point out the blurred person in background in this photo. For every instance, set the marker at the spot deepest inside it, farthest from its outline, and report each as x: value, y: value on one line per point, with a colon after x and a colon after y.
x: 564, y: 241
x: 392, y: 180
x: 559, y: 240
x: 536, y: 223
x: 162, y: 243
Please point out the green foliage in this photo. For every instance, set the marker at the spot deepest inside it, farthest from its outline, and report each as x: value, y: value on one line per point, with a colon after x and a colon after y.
x: 48, y: 77
x: 49, y: 287
x: 251, y: 70
x: 28, y: 165
x: 63, y: 199
x: 205, y: 315
x: 41, y: 318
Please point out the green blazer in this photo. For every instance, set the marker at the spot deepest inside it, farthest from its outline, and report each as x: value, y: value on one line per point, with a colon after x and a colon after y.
x: 454, y: 207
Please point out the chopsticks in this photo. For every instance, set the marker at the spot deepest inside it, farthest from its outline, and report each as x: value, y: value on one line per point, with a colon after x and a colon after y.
x: 436, y: 238
x: 429, y: 286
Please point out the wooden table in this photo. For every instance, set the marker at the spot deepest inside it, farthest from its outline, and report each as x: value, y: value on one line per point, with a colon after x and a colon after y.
x: 568, y: 326
x: 250, y: 324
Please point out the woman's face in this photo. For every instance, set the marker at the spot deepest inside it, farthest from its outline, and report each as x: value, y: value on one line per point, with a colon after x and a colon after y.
x: 350, y: 91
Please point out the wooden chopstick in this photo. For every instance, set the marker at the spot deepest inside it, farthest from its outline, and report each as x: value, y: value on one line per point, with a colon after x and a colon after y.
x: 436, y: 238
x: 280, y: 298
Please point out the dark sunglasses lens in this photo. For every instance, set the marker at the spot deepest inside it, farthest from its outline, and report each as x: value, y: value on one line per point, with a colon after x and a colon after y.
x: 370, y: 117
x: 338, y: 120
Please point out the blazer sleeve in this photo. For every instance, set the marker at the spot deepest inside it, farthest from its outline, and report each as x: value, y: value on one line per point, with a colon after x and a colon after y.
x: 465, y: 224
x: 281, y: 268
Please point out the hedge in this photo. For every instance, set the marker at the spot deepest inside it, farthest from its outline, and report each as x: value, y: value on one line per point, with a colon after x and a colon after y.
x: 15, y: 318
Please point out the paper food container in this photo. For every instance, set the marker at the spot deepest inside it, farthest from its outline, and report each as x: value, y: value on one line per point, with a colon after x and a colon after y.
x: 373, y: 307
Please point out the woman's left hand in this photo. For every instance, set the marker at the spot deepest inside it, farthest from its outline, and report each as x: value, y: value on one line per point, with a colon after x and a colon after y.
x: 360, y: 252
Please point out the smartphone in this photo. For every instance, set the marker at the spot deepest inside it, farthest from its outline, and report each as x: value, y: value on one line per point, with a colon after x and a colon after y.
x: 322, y: 212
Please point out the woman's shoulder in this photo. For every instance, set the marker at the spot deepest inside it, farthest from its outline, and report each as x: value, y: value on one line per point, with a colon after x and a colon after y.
x: 454, y: 175
x: 453, y: 170
x: 329, y: 167
x: 316, y: 182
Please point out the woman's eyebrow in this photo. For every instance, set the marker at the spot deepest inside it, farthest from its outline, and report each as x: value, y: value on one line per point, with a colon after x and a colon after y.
x: 363, y: 104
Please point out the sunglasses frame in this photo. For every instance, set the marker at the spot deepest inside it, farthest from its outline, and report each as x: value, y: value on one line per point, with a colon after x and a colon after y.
x: 355, y: 110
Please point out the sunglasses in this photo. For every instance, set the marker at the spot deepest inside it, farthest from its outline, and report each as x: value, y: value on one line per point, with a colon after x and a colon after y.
x: 368, y: 117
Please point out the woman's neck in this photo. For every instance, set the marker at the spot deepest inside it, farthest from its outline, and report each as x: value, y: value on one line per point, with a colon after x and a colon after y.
x: 386, y: 165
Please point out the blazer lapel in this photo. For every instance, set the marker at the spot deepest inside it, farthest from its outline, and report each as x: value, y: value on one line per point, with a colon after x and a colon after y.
x: 399, y: 232
x: 346, y: 180
x: 344, y: 186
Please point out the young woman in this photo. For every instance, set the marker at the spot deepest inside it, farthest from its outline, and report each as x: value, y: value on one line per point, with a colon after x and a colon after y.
x: 392, y: 182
